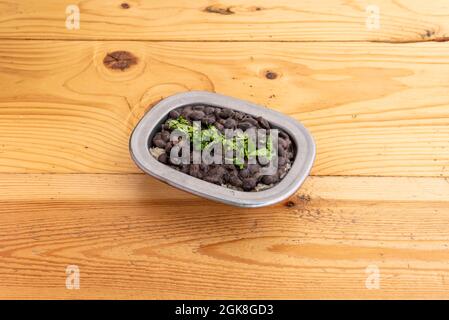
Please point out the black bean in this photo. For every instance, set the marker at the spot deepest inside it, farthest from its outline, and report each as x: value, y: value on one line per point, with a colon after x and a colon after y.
x: 208, y: 119
x: 239, y: 115
x: 198, y: 108
x: 244, y: 125
x: 249, y: 184
x: 281, y: 171
x: 215, y: 175
x: 235, y: 181
x: 283, y: 135
x: 168, y: 147
x: 230, y: 123
x: 165, y: 135
x: 226, y: 178
x: 197, y: 115
x: 220, y: 170
x: 245, y: 173
x: 226, y: 113
x: 195, y: 171
x: 263, y: 123
x: 186, y: 109
x: 230, y: 167
x: 231, y: 173
x: 250, y: 120
x: 281, y: 151
x: 186, y: 112
x: 270, y: 179
x: 219, y: 127
x: 282, y: 161
x: 159, y: 143
x: 253, y: 168
x: 174, y: 114
x: 209, y: 110
x: 214, y: 179
x: 163, y: 158
x: 283, y: 143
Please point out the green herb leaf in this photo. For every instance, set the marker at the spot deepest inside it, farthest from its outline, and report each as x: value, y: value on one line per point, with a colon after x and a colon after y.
x: 211, y: 134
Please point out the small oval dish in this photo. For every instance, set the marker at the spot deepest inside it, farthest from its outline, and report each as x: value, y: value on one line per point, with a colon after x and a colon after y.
x: 155, y: 118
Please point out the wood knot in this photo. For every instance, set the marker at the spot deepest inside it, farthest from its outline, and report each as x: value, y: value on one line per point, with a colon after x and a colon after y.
x: 119, y: 60
x: 428, y: 33
x: 271, y: 75
x: 304, y: 198
x: 219, y: 10
x: 125, y: 5
x: 290, y: 204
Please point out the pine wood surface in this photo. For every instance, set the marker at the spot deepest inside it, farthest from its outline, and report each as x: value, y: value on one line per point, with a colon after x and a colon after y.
x: 376, y: 102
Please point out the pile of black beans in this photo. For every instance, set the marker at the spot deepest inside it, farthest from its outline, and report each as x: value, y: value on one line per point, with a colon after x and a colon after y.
x: 230, y: 175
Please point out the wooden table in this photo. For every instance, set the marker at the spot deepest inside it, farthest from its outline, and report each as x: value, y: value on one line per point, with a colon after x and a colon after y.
x: 375, y: 97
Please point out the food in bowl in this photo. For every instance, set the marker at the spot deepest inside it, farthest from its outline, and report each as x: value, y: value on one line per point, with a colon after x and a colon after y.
x: 226, y: 127
x: 155, y: 121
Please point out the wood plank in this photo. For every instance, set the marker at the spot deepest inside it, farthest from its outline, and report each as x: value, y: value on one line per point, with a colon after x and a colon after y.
x: 374, y: 109
x: 134, y: 237
x: 281, y: 20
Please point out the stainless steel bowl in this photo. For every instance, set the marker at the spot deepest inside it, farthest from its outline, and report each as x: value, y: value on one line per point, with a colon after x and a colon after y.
x: 146, y: 128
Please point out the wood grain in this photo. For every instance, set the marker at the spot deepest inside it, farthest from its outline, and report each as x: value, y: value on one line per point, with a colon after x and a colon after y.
x: 374, y: 109
x: 227, y: 20
x: 134, y: 237
x: 376, y: 102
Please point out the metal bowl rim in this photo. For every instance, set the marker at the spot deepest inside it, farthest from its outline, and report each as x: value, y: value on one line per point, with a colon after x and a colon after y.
x: 305, y: 154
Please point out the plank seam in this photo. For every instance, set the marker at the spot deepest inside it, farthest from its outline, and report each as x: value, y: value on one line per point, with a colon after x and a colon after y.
x: 442, y: 39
